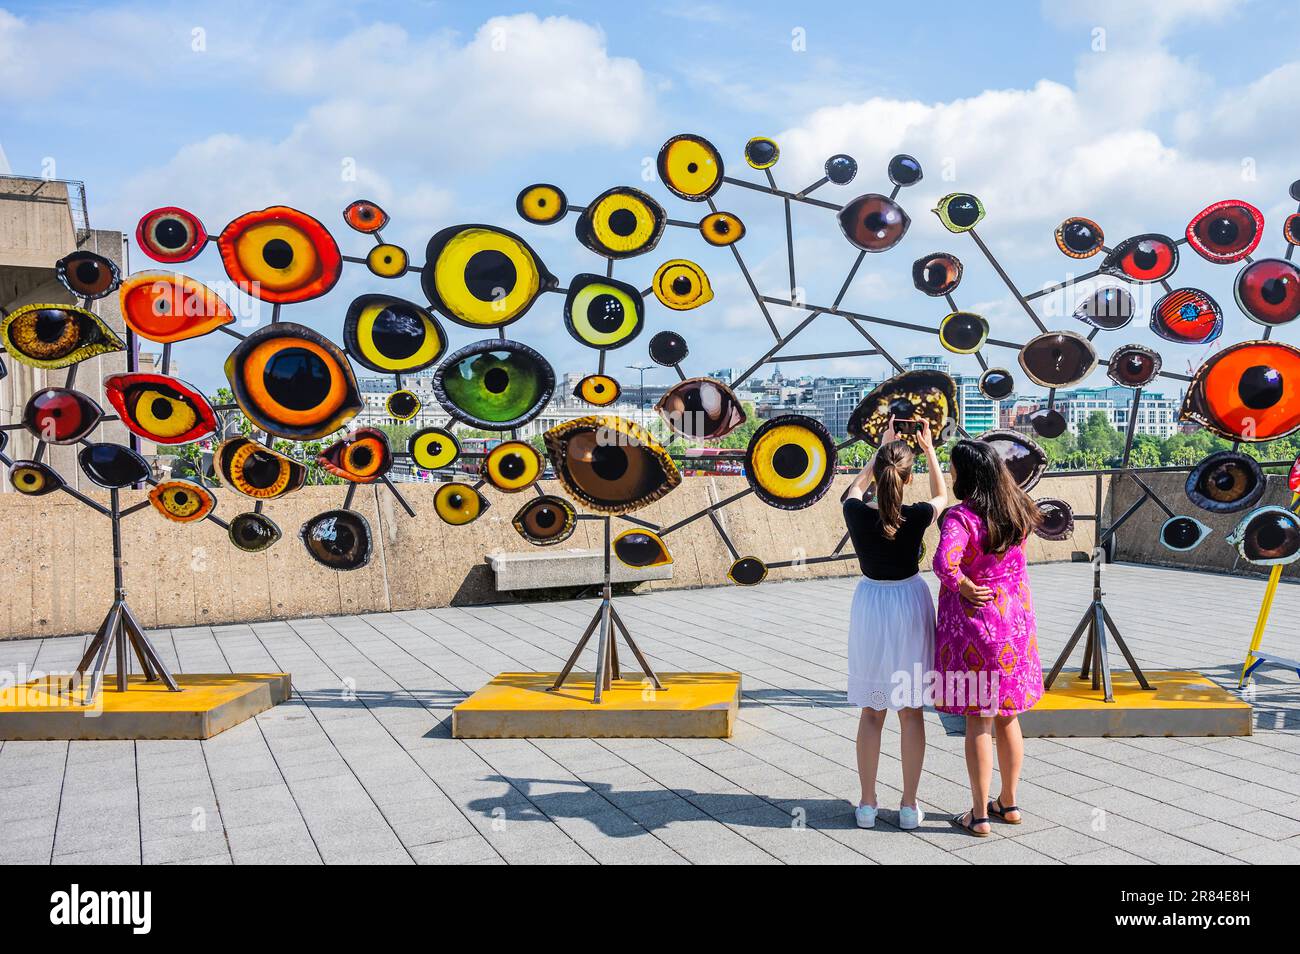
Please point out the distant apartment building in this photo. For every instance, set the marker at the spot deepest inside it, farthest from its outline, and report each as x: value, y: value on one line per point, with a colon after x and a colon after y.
x: 976, y: 413
x: 1157, y: 415
x: 835, y: 399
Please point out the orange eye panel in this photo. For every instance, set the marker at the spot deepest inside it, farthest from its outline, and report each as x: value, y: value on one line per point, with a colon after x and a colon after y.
x: 365, y: 216
x: 170, y: 235
x: 182, y: 501
x: 280, y: 255
x: 362, y: 457
x: 168, y: 306
x: 1247, y: 392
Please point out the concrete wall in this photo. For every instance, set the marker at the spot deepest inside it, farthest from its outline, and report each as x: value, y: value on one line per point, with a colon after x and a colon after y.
x: 57, y: 561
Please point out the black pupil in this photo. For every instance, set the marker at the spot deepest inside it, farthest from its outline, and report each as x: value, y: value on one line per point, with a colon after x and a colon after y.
x: 1223, y: 231
x: 1223, y: 478
x: 277, y: 253
x: 496, y: 380
x: 397, y: 333
x: 1079, y: 237
x: 876, y: 221
x: 181, y: 498
x: 361, y: 457
x: 1271, y: 534
x: 489, y: 274
x: 681, y: 285
x: 87, y: 273
x: 790, y: 461
x: 261, y: 470
x: 963, y: 210
x: 721, y: 226
x: 1261, y: 387
x: 1144, y: 256
x: 161, y: 408
x: 622, y: 222
x: 545, y: 517
x: 1273, y: 290
x: 171, y: 233
x: 297, y: 378
x: 609, y: 463
x: 1135, y: 366
x: 50, y: 325
x: 605, y: 313
x: 512, y: 466
x: 692, y: 167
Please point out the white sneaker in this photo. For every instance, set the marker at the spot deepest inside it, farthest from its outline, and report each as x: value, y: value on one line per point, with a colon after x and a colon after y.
x: 910, y: 818
x: 866, y: 816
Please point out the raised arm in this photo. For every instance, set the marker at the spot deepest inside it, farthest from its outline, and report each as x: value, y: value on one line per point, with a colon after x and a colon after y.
x: 938, y: 489
x: 867, y: 476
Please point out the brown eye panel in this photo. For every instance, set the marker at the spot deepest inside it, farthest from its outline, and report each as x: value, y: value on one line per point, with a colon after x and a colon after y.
x: 87, y: 275
x: 1023, y: 457
x: 873, y: 222
x: 55, y: 336
x: 546, y: 520
x: 610, y: 464
x: 701, y: 409
x: 937, y: 274
x: 1058, y: 359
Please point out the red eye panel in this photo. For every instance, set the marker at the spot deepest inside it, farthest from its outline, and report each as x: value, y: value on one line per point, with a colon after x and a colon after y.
x: 1188, y: 316
x: 280, y: 255
x: 1226, y: 231
x: 1142, y: 258
x: 1268, y: 291
x: 160, y: 408
x: 170, y: 235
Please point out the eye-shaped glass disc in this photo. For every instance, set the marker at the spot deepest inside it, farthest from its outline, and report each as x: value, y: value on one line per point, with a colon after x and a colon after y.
x: 33, y: 478
x: 253, y: 532
x: 610, y: 464
x: 598, y: 389
x: 293, y: 382
x: 959, y: 211
x: 1181, y: 534
x: 1226, y: 231
x: 904, y: 170
x: 1142, y: 259
x: 722, y: 228
x: 1269, y: 536
x: 1023, y: 457
x: 1268, y: 291
x: 170, y: 235
x: 458, y: 504
x: 402, y: 405
x: 182, y: 501
x: 668, y: 348
x: 542, y: 204
x: 512, y: 466
x: 61, y: 415
x: 1187, y: 316
x: 387, y: 261
x: 1078, y: 237
x: 912, y: 394
x: 87, y: 275
x: 701, y: 409
x: 681, y: 285
x: 1058, y: 519
x: 365, y: 216
x: 55, y: 336
x: 747, y: 571
x: 1247, y: 392
x: 433, y: 448
x: 603, y: 312
x: 937, y: 274
x: 1291, y: 229
x: 997, y: 383
x: 640, y: 548
x: 167, y: 307
x: 391, y: 335
x: 790, y: 462
x: 1109, y: 309
x: 280, y: 255
x: 841, y: 169
x: 762, y: 153
x: 621, y: 223
x: 256, y: 471
x: 1048, y: 422
x: 113, y: 466
x: 963, y: 332
x: 1133, y: 366
x: 1225, y: 482
x: 482, y: 277
x: 361, y: 458
x: 494, y: 384
x: 1058, y: 359
x: 160, y: 408
x: 338, y: 539
x: 873, y: 222
x: 690, y: 167
x: 546, y: 520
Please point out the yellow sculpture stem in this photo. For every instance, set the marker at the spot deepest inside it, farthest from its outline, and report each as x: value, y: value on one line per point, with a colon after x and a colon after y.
x: 1265, y: 608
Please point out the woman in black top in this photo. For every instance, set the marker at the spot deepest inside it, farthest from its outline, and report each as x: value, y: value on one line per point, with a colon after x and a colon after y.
x: 891, y: 624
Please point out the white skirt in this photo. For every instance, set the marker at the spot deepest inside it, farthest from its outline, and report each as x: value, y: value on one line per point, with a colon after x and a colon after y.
x: 891, y: 643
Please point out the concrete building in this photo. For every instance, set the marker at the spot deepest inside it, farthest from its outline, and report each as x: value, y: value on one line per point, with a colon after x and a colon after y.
x: 42, y: 220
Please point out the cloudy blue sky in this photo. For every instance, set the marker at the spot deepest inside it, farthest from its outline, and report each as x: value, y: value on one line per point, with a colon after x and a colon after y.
x: 1136, y: 114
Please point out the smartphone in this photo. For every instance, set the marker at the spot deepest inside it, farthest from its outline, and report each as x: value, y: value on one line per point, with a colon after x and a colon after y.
x: 907, y: 426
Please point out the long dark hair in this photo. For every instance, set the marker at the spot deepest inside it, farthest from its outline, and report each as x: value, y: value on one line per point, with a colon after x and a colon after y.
x: 892, y: 468
x: 981, y: 479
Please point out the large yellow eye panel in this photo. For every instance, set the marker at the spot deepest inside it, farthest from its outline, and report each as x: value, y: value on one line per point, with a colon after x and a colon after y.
x: 546, y: 520
x: 182, y: 501
x: 433, y: 448
x: 256, y: 471
x: 160, y: 408
x: 610, y: 464
x: 621, y: 223
x: 361, y: 458
x: 790, y: 462
x: 280, y: 255
x: 458, y: 504
x: 512, y: 466
x: 482, y: 277
x: 56, y: 336
x: 391, y: 335
x: 167, y: 307
x: 682, y: 285
x: 293, y: 382
x: 690, y: 167
x: 603, y: 312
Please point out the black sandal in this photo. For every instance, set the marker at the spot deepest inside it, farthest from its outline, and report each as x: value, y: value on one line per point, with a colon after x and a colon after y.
x: 1000, y: 811
x: 959, y: 821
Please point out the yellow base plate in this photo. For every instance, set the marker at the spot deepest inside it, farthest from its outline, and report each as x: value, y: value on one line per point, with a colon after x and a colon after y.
x: 1178, y: 703
x: 519, y: 705
x: 208, y: 704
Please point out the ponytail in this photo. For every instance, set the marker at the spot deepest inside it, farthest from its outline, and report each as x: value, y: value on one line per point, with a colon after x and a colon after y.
x: 892, y: 468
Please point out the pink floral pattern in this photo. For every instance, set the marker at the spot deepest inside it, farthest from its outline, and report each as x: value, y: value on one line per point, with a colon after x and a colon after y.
x: 986, y: 657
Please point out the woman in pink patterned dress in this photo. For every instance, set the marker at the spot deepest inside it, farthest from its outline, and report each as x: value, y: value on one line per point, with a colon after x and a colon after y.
x: 986, y: 644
